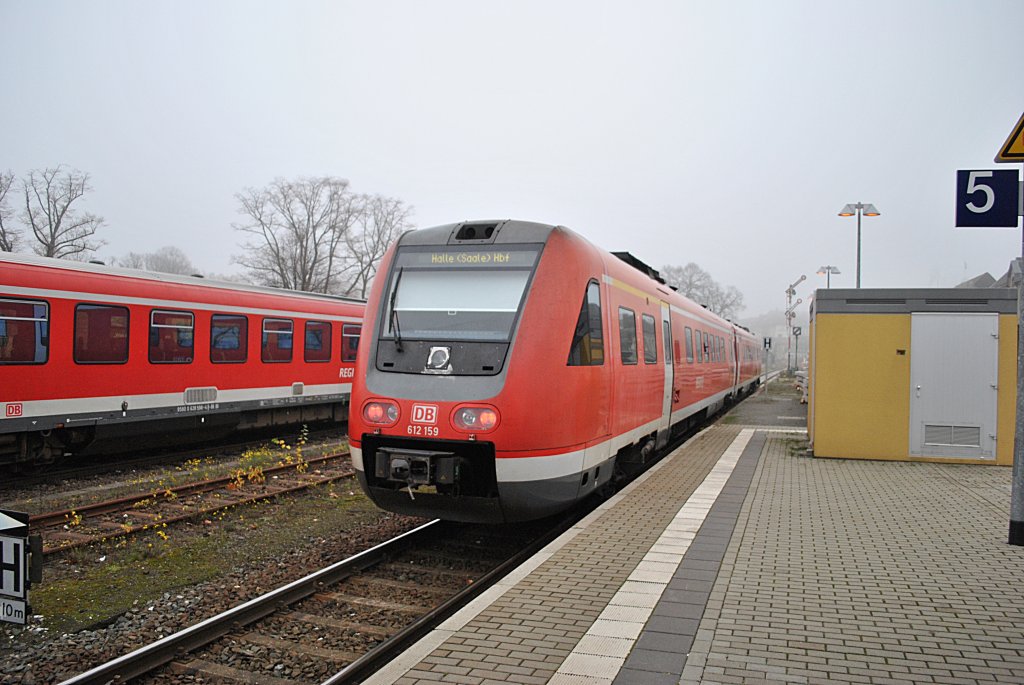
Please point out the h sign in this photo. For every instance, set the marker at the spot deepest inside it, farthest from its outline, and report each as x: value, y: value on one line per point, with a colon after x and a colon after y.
x: 987, y: 199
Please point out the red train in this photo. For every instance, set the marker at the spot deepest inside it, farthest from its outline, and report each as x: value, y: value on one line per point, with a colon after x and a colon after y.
x: 512, y: 368
x: 92, y: 354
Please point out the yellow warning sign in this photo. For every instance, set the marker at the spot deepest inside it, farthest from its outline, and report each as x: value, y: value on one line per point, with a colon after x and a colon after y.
x: 1013, y: 148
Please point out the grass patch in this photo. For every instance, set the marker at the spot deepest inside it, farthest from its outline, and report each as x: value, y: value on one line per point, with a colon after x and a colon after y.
x: 96, y: 584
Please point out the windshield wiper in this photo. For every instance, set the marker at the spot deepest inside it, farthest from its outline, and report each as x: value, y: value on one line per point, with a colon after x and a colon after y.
x: 394, y: 312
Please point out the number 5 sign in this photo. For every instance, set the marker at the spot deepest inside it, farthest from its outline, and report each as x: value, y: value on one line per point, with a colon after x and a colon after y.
x: 987, y: 199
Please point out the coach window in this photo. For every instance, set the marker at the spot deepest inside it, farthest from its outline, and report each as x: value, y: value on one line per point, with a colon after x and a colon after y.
x: 170, y: 337
x: 587, y: 347
x: 24, y: 332
x: 229, y: 339
x: 689, y: 345
x: 666, y: 335
x: 627, y: 335
x: 101, y: 334
x: 650, y: 339
x: 350, y: 341
x: 318, y: 341
x: 277, y: 340
x: 707, y: 347
x: 699, y: 345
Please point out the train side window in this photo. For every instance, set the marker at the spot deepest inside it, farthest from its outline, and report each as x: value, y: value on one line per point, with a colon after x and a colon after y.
x: 627, y: 335
x: 707, y: 347
x: 650, y: 339
x: 24, y: 331
x: 689, y: 345
x: 277, y: 340
x: 350, y: 341
x: 666, y: 336
x: 587, y: 347
x: 700, y: 347
x: 229, y: 338
x: 318, y: 341
x: 101, y: 334
x: 170, y: 337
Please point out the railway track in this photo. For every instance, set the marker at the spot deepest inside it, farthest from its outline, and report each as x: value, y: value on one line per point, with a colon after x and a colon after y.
x: 68, y: 529
x: 26, y: 476
x: 343, y: 622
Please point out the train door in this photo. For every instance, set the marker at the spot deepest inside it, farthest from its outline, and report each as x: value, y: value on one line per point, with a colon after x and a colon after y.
x: 737, y: 361
x: 666, y: 403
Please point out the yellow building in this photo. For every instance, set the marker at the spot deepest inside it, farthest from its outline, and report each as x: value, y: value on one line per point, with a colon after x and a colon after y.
x: 914, y: 375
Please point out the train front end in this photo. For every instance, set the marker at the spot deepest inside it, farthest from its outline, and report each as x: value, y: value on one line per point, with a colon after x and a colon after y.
x: 435, y: 405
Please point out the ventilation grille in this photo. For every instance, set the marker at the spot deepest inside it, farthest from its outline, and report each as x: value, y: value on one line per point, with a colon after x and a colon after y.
x: 298, y: 389
x: 952, y: 436
x: 200, y: 395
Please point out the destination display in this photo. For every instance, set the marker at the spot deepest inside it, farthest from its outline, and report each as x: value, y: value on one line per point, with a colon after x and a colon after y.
x: 490, y: 257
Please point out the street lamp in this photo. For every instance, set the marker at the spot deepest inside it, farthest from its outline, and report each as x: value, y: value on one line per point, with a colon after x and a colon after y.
x: 828, y: 271
x: 858, y: 209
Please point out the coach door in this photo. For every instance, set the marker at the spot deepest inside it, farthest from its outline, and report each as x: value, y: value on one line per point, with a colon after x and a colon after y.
x: 666, y: 401
x: 953, y: 379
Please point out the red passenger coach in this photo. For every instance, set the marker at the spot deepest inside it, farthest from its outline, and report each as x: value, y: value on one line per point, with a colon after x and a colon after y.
x: 91, y: 353
x: 512, y: 368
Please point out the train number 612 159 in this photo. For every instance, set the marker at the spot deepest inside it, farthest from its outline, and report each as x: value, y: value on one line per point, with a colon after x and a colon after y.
x: 428, y: 431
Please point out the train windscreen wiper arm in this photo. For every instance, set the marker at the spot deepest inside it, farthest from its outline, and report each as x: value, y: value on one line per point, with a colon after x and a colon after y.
x: 394, y: 312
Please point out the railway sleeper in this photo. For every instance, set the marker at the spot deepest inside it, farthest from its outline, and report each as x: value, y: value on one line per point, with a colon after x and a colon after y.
x: 284, y: 645
x: 341, y: 598
x: 339, y: 625
x: 212, y: 672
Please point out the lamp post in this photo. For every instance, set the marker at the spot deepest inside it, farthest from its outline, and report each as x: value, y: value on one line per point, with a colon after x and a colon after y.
x: 858, y: 209
x: 828, y: 271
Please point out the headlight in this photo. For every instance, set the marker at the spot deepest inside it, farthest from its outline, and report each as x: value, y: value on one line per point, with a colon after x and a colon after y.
x: 469, y: 419
x: 380, y: 413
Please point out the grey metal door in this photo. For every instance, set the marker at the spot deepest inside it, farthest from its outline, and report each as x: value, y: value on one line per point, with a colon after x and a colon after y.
x: 954, y: 370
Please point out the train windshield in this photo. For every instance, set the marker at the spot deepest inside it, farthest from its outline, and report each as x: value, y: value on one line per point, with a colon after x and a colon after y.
x: 449, y: 294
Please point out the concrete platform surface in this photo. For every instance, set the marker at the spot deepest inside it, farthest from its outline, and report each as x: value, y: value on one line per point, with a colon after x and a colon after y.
x: 739, y: 559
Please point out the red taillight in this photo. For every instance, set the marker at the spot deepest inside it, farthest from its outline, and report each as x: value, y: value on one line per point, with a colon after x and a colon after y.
x: 475, y: 419
x: 380, y: 413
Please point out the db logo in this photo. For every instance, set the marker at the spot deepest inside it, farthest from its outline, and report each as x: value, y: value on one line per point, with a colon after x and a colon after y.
x: 13, y: 410
x: 424, y: 413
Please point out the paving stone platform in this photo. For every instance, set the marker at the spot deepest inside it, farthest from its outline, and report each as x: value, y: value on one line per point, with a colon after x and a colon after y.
x: 739, y: 559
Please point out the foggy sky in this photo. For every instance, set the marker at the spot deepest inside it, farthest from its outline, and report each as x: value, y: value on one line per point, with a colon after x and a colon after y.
x: 728, y: 134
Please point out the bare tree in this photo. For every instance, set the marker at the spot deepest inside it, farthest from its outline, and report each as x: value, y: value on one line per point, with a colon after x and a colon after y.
x: 380, y: 222
x: 60, y: 229
x: 132, y: 260
x: 297, y: 228
x: 170, y: 260
x: 9, y: 236
x: 698, y: 285
x: 690, y: 280
x: 725, y: 301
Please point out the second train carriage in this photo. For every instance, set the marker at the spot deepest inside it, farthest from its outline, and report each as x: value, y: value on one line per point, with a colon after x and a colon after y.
x: 511, y: 368
x: 90, y: 353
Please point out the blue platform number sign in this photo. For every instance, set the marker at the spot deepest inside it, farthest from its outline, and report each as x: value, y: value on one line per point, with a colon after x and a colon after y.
x: 987, y: 199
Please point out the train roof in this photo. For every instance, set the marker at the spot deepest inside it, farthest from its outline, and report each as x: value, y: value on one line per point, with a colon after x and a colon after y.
x: 196, y: 280
x: 505, y: 231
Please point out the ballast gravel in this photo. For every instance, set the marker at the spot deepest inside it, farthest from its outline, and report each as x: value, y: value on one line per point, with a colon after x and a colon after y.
x: 34, y: 656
